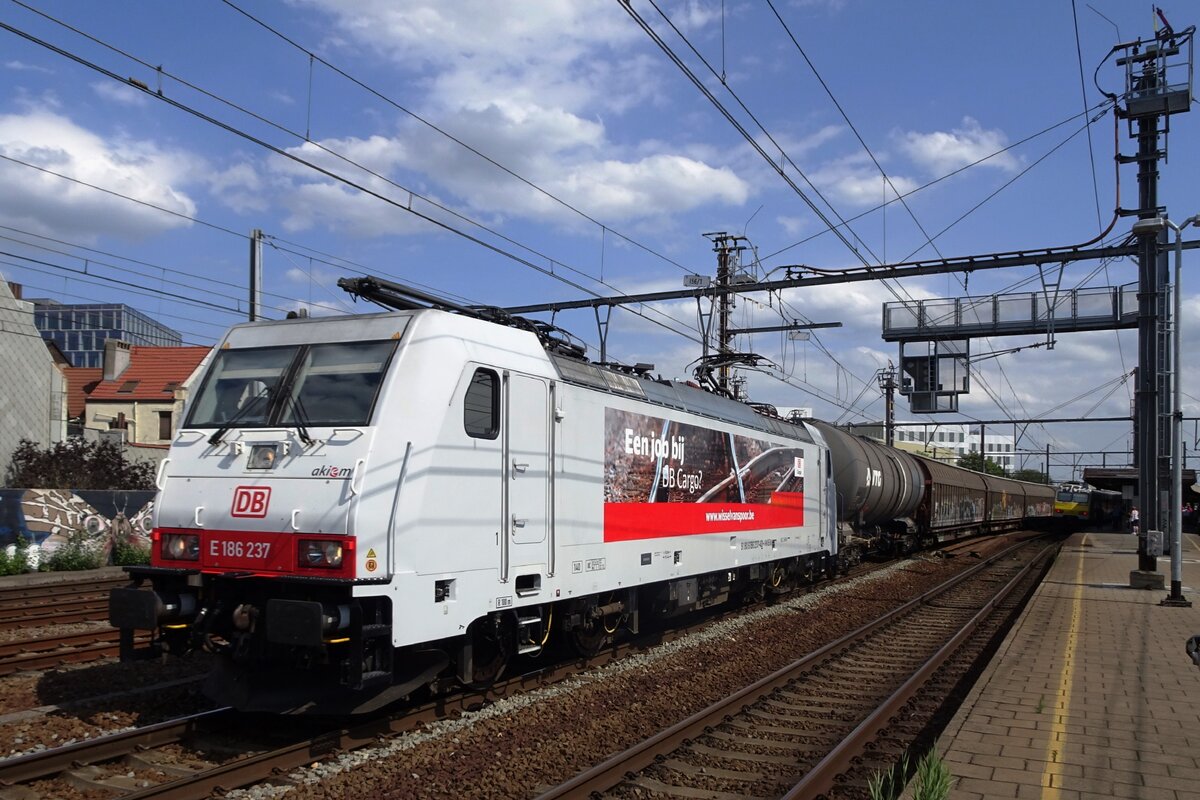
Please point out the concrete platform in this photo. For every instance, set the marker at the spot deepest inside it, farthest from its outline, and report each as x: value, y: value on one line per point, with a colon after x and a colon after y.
x: 1091, y: 695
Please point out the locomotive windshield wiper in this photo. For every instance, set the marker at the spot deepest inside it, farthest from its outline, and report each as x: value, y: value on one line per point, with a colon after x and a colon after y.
x: 251, y: 403
x: 301, y: 419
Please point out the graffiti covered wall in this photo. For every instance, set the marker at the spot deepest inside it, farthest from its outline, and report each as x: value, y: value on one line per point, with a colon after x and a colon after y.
x: 49, y: 517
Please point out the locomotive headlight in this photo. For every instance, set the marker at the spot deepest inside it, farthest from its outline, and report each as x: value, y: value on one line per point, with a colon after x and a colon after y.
x: 262, y: 456
x: 180, y: 546
x: 320, y: 553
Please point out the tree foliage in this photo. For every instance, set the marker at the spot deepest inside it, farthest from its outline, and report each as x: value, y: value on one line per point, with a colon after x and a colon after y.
x: 1031, y: 475
x: 76, y: 464
x: 977, y: 463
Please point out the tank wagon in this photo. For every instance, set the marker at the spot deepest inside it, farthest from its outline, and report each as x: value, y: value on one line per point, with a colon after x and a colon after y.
x: 355, y: 508
x: 889, y: 500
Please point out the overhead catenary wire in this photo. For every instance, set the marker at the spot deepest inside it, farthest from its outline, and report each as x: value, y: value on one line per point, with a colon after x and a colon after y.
x: 935, y: 245
x: 327, y: 173
x: 678, y: 61
x: 234, y: 130
x: 945, y: 177
x: 93, y: 262
x: 605, y: 227
x: 51, y: 292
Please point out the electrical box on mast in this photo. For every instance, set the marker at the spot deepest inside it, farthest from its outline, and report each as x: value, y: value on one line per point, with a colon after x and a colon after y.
x: 933, y: 378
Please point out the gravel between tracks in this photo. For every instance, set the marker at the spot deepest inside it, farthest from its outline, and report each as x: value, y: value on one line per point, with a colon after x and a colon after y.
x: 48, y: 709
x: 541, y: 738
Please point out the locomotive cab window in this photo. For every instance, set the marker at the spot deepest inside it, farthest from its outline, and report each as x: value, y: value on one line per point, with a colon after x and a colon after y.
x: 481, y: 405
x: 240, y: 387
x: 320, y: 384
x: 336, y: 384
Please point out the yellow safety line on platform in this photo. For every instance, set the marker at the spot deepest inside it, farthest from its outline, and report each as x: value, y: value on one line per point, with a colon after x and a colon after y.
x: 1054, y: 745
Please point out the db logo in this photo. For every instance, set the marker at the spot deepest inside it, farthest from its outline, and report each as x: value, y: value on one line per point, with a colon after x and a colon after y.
x: 251, y: 501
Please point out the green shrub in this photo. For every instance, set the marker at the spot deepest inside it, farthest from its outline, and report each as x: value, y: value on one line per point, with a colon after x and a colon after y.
x: 128, y: 554
x: 18, y: 562
x: 76, y: 554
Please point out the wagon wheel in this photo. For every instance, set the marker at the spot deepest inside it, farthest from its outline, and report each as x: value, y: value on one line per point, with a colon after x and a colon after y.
x: 492, y: 641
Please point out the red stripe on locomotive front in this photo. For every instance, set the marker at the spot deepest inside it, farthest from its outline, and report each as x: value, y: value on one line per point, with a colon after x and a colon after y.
x: 258, y: 553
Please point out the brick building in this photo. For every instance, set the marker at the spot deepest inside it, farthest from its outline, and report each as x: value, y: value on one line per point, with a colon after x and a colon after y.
x: 142, y: 390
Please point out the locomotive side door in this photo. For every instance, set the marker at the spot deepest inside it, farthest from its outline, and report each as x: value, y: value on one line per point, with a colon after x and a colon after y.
x: 526, y: 442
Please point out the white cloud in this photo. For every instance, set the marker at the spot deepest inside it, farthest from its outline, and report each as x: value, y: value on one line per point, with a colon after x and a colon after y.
x: 21, y: 66
x: 46, y: 203
x: 857, y: 182
x: 240, y: 187
x: 792, y: 226
x: 120, y: 93
x: 529, y: 89
x: 476, y: 30
x: 612, y: 189
x: 338, y: 207
x: 941, y: 152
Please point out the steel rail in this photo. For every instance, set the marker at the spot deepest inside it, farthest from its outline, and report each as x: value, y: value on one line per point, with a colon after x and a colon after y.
x: 56, y: 590
x: 612, y: 771
x: 72, y: 648
x: 10, y: 651
x: 48, y: 763
x: 822, y: 777
x: 70, y: 611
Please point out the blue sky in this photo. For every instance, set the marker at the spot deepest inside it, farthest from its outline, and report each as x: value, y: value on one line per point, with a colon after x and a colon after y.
x: 624, y: 164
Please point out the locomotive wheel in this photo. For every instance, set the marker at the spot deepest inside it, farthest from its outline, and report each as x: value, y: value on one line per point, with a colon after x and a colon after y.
x: 587, y: 640
x: 589, y: 637
x: 493, y: 642
x: 783, y: 578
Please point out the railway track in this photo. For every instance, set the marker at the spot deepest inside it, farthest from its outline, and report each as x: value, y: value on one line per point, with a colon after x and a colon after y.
x: 29, y: 608
x: 55, y: 650
x: 826, y: 723
x: 56, y: 603
x: 176, y: 759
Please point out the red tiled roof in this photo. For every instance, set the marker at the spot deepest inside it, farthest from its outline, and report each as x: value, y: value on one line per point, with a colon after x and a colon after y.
x: 80, y: 382
x: 151, y: 373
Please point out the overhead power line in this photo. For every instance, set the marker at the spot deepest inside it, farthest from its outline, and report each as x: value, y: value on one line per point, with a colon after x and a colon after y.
x: 233, y: 129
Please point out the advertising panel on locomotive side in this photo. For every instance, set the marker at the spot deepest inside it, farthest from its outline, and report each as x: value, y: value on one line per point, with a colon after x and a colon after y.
x: 669, y: 478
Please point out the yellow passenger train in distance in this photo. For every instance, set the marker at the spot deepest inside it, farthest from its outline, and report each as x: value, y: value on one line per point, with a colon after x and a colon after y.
x: 1080, y: 505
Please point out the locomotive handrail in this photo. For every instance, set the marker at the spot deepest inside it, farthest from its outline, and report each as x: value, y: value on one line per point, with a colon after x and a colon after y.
x: 159, y: 477
x: 506, y: 474
x: 391, y: 529
x: 356, y: 475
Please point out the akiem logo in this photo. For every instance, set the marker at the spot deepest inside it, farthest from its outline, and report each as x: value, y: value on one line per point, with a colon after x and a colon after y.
x: 251, y: 501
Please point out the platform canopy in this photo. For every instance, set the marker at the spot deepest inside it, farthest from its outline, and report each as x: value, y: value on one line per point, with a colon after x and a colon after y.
x: 1117, y: 478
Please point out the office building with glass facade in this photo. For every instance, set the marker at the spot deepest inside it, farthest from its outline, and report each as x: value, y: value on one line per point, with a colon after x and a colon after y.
x: 81, y: 330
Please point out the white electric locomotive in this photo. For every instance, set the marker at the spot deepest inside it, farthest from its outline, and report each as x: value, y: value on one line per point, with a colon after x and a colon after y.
x: 356, y: 507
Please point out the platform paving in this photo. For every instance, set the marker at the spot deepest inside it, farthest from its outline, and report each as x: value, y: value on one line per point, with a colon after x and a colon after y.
x: 1091, y: 695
